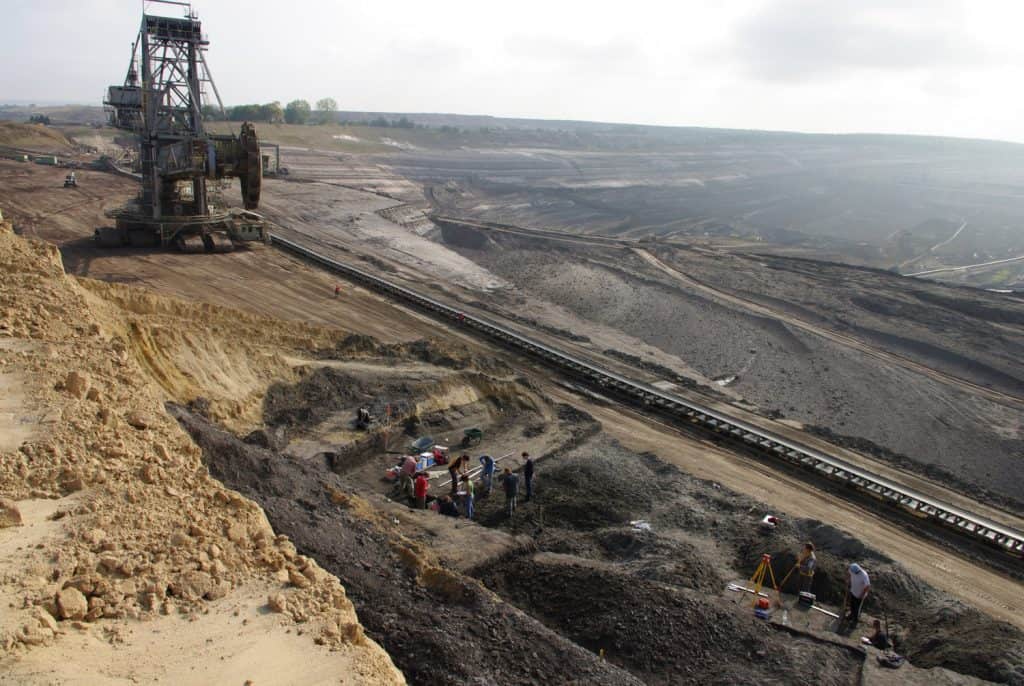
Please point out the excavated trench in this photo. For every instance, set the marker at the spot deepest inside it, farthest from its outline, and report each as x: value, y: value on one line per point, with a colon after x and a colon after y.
x: 627, y: 557
x: 632, y: 557
x: 438, y: 626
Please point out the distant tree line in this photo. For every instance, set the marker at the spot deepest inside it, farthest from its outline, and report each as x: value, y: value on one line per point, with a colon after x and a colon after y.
x: 39, y: 119
x: 301, y: 112
x: 402, y: 123
x: 295, y: 112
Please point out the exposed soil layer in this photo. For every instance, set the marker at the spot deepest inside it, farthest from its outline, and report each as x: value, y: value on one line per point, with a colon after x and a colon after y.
x: 662, y: 634
x: 324, y: 391
x: 440, y: 627
x: 605, y: 518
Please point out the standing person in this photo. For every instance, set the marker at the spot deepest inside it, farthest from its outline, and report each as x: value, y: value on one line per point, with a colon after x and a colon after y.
x: 511, y: 483
x: 456, y: 469
x: 467, y: 487
x: 806, y: 563
x: 859, y: 587
x: 406, y: 474
x: 487, y: 475
x: 528, y: 475
x: 420, y: 488
x: 337, y: 290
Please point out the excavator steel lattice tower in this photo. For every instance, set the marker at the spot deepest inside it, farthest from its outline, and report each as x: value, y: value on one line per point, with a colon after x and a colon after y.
x: 161, y: 102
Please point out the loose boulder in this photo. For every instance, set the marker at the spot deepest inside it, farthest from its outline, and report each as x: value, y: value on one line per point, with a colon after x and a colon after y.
x: 71, y: 604
x: 10, y: 515
x: 277, y: 602
x: 76, y: 384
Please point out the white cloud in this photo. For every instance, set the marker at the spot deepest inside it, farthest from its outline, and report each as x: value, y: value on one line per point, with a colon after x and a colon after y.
x: 797, y: 40
x: 916, y: 66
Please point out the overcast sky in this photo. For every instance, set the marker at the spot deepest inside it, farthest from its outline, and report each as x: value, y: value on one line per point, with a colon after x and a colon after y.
x: 902, y: 66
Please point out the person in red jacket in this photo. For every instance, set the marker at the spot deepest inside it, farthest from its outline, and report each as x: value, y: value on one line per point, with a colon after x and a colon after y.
x: 421, y: 487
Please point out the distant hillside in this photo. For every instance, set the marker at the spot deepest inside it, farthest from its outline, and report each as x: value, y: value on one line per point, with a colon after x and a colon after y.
x: 33, y: 137
x: 58, y: 114
x: 643, y: 135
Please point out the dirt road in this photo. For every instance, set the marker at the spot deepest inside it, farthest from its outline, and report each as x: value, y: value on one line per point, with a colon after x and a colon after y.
x: 993, y: 593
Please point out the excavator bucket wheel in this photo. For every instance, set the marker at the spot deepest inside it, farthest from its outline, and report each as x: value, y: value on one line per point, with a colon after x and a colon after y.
x: 251, y: 171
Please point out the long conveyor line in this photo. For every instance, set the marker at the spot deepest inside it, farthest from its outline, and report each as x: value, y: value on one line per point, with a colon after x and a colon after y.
x: 766, y: 442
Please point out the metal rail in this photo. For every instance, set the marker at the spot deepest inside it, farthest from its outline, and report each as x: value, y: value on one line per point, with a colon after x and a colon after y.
x: 766, y: 442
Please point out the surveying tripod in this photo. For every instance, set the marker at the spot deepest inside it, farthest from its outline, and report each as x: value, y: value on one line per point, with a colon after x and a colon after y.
x: 764, y: 569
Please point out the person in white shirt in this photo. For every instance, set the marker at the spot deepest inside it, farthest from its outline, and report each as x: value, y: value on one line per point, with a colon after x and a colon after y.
x: 859, y: 587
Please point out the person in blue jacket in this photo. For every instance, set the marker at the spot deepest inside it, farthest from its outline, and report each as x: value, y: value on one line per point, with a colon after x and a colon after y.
x: 487, y: 475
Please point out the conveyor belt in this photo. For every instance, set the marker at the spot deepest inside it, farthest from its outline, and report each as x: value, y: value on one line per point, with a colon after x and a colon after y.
x: 762, y: 440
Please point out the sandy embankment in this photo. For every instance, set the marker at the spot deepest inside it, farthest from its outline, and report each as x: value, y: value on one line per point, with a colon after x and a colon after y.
x: 120, y: 557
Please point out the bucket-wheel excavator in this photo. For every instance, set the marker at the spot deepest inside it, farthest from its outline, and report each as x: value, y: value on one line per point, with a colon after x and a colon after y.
x: 161, y: 102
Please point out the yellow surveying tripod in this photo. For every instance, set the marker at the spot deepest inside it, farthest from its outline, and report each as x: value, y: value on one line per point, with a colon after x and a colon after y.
x: 764, y: 568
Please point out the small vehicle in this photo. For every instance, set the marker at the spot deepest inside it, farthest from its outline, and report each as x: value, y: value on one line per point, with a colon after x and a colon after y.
x: 70, y: 181
x: 471, y: 437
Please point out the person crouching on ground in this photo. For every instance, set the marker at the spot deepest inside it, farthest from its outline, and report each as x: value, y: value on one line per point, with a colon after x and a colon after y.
x: 511, y: 484
x: 420, y: 488
x: 879, y: 639
x: 467, y: 496
x: 448, y: 507
x: 806, y: 562
x: 859, y: 587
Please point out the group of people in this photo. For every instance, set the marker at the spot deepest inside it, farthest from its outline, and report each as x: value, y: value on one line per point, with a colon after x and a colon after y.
x: 415, y: 484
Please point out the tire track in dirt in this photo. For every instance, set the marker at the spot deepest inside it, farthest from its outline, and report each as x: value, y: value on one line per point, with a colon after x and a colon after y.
x: 1000, y: 397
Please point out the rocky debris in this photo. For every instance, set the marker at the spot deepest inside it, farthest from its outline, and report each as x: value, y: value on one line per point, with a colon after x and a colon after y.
x: 72, y: 603
x: 10, y: 515
x: 149, y: 532
x: 138, y: 420
x: 298, y: 579
x: 76, y: 384
x: 45, y: 619
x: 277, y: 602
x: 149, y: 473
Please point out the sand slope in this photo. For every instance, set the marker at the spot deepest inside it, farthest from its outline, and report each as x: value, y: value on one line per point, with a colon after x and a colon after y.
x: 130, y: 560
